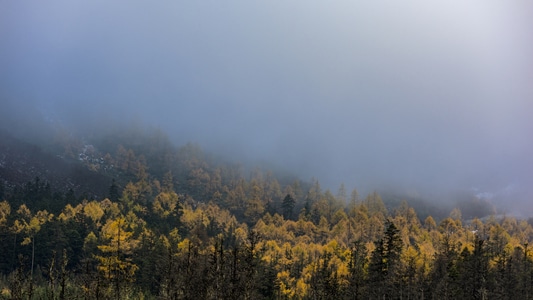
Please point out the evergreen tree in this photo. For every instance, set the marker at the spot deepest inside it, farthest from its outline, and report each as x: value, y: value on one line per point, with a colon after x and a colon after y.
x: 357, y: 270
x: 288, y: 206
x: 2, y: 190
x: 114, y: 194
x: 384, y: 275
x: 473, y: 271
x: 444, y: 273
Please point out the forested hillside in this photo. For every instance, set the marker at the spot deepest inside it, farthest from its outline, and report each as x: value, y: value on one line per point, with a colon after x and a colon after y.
x: 149, y: 220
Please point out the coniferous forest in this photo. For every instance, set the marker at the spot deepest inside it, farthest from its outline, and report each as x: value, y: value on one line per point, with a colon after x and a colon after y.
x: 248, y: 150
x: 175, y: 223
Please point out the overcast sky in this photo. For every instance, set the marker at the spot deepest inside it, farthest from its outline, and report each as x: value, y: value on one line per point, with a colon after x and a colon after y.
x: 409, y: 93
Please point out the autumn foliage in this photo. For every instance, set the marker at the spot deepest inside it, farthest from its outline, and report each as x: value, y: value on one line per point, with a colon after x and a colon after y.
x: 177, y: 225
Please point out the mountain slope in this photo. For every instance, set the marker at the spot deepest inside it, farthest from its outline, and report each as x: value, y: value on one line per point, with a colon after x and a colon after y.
x: 22, y: 162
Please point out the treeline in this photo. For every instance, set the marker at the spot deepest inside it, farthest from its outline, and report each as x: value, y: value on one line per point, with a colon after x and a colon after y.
x: 174, y: 247
x: 175, y: 225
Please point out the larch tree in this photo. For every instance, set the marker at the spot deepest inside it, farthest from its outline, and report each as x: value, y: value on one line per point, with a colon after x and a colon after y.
x: 117, y: 245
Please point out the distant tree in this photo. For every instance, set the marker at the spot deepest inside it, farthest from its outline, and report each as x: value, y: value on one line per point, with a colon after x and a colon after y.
x: 5, y: 211
x: 165, y: 204
x: 254, y: 205
x: 444, y: 273
x: 168, y: 182
x: 273, y: 194
x: 521, y: 266
x: 384, y: 263
x: 324, y: 279
x: 353, y: 203
x: 412, y: 272
x: 143, y: 185
x: 288, y: 206
x: 122, y: 158
x: 236, y: 197
x: 166, y: 267
x: 89, y: 280
x: 94, y: 212
x: 254, y: 210
x: 456, y: 214
x: 354, y: 196
x: 114, y: 194
x: 500, y: 257
x: 341, y: 194
x: 315, y: 191
x: 357, y: 267
x: 375, y: 205
x: 2, y: 190
x: 429, y: 223
x: 473, y: 271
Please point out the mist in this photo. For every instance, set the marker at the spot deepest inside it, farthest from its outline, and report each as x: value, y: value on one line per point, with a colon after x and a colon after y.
x: 425, y: 97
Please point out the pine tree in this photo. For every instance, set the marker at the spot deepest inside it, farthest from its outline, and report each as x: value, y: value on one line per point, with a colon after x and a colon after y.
x: 384, y: 275
x: 288, y: 206
x: 473, y: 271
x: 357, y: 270
x: 114, y: 193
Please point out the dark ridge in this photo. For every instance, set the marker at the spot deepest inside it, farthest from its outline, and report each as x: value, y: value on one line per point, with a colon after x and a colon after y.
x: 21, y: 162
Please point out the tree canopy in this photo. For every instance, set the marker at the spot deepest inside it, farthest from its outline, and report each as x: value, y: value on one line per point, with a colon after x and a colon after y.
x: 177, y: 225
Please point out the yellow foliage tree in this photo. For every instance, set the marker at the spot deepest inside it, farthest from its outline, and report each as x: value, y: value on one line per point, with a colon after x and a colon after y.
x: 5, y: 210
x: 117, y: 245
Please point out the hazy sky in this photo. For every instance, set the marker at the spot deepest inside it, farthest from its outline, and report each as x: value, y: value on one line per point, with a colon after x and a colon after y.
x: 411, y: 93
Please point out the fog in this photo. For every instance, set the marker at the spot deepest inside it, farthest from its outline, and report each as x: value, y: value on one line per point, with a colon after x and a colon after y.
x: 416, y: 95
